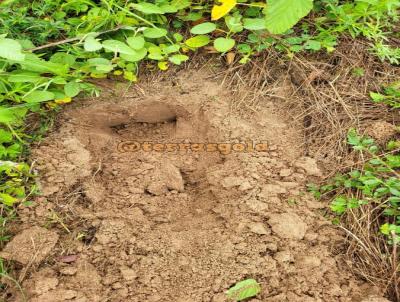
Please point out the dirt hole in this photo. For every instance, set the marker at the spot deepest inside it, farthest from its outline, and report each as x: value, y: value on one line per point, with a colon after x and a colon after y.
x: 182, y: 225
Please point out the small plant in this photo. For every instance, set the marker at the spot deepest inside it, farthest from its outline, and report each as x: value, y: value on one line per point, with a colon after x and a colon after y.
x: 244, y: 289
x: 390, y: 96
x: 376, y: 184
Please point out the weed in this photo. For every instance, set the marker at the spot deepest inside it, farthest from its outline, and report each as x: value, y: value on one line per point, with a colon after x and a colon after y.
x: 390, y: 96
x: 377, y: 183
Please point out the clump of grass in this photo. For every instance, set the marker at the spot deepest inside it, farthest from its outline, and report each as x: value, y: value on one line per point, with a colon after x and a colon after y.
x: 366, y: 201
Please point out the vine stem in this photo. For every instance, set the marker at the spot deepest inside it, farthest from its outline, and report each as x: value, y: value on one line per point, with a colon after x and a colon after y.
x: 53, y: 44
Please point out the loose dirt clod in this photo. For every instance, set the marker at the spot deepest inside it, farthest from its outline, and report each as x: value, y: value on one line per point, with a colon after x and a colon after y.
x: 182, y: 225
x: 32, y: 245
x: 288, y: 225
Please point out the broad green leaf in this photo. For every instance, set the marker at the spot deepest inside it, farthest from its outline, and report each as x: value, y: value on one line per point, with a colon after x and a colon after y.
x: 154, y: 33
x: 178, y: 59
x: 117, y: 46
x: 181, y: 4
x: 234, y: 23
x: 92, y: 44
x: 163, y: 65
x: 33, y: 63
x: 243, y: 290
x: 63, y: 58
x: 72, y: 89
x: 11, y: 50
x: 5, y: 136
x: 24, y: 77
x: 203, y: 28
x: 197, y: 41
x: 136, y: 42
x: 168, y: 8
x: 178, y: 37
x: 171, y: 49
x: 281, y: 15
x: 7, y: 199
x: 254, y: 23
x: 98, y: 61
x: 147, y: 8
x: 224, y: 44
x: 136, y: 56
x: 313, y: 45
x: 39, y: 96
x: 10, y: 115
x: 26, y: 44
x: 130, y: 76
x: 218, y: 11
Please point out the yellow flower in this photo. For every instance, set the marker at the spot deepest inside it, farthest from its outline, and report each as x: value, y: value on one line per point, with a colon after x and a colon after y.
x: 218, y: 11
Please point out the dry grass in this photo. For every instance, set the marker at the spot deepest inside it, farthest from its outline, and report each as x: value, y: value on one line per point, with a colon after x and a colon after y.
x: 322, y: 92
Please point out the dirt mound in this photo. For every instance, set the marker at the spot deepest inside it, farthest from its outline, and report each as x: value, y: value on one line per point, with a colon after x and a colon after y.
x: 170, y: 196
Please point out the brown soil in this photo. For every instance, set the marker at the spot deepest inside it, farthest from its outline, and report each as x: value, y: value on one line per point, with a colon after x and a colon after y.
x: 183, y: 225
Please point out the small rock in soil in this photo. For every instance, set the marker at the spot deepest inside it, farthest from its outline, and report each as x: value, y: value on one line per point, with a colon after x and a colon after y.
x: 288, y: 225
x: 285, y: 172
x: 31, y: 245
x: 232, y: 181
x: 68, y: 270
x: 245, y: 186
x: 259, y: 228
x: 308, y: 262
x: 271, y: 190
x: 309, y: 165
x: 173, y: 177
x: 128, y: 274
x: 283, y: 256
x: 157, y: 188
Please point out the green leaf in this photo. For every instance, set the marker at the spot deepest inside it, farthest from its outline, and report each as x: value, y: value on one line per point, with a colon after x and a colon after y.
x: 33, y: 63
x: 154, y: 33
x: 98, y: 61
x: 243, y: 290
x: 21, y: 76
x: 39, y: 96
x: 9, y: 115
x: 234, y: 23
x: 92, y: 44
x: 147, y: 8
x: 377, y: 97
x: 203, y: 28
x: 197, y: 41
x: 181, y: 4
x: 171, y: 48
x: 117, y: 46
x: 224, y: 44
x: 5, y: 136
x: 72, y: 89
x: 63, y: 58
x: 254, y: 23
x: 313, y: 45
x: 11, y: 50
x: 178, y: 59
x: 136, y: 56
x: 7, y: 199
x: 282, y: 15
x: 136, y: 42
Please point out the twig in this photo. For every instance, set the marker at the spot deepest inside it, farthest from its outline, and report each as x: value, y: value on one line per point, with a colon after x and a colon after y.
x: 394, y: 236
x: 53, y: 44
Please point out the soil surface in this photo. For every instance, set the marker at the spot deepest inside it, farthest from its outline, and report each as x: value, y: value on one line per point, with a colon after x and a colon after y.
x: 181, y: 224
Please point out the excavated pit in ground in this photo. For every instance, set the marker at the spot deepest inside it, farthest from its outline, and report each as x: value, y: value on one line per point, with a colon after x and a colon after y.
x: 179, y: 225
